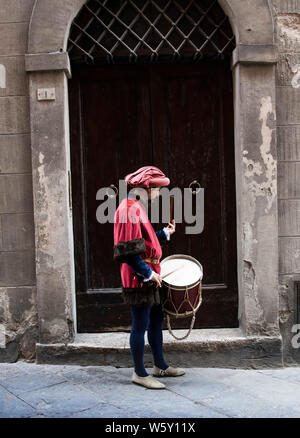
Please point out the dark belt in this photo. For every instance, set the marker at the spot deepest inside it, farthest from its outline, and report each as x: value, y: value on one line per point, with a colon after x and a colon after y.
x: 153, y: 261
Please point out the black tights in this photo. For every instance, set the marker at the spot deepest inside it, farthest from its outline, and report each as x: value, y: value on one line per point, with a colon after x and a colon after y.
x: 146, y: 318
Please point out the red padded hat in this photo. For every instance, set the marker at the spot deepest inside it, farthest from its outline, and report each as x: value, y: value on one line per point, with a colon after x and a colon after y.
x: 147, y: 176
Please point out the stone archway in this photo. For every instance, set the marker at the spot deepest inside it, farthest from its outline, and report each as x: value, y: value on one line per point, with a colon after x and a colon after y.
x: 253, y: 66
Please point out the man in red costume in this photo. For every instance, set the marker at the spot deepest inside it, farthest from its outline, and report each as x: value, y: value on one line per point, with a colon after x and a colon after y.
x: 138, y: 248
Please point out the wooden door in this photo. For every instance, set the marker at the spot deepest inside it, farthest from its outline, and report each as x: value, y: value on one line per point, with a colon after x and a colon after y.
x: 179, y: 118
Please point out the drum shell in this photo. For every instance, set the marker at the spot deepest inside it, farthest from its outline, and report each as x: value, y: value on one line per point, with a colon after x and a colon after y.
x: 181, y: 302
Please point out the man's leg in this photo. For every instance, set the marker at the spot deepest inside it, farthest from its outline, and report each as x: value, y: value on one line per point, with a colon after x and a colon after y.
x: 140, y: 322
x: 155, y: 336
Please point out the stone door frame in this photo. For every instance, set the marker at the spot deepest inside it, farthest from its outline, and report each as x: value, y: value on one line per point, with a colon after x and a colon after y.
x: 253, y: 66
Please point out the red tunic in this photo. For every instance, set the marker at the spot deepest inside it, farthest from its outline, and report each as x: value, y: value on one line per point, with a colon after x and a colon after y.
x: 131, y: 223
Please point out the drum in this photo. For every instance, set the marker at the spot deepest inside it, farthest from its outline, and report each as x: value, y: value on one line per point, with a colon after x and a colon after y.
x: 182, y: 281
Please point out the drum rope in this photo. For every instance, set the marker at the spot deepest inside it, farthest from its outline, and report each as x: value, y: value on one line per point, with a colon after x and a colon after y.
x: 177, y: 315
x: 188, y: 333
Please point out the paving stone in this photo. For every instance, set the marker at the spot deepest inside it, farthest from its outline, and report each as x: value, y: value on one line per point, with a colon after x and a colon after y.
x: 215, y: 373
x: 240, y: 404
x: 80, y: 375
x: 291, y: 374
x: 8, y: 370
x: 13, y: 407
x: 102, y: 411
x: 60, y: 400
x: 33, y: 368
x: 18, y: 384
x: 272, y: 391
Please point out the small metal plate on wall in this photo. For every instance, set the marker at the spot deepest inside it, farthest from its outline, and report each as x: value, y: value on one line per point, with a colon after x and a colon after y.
x: 46, y: 94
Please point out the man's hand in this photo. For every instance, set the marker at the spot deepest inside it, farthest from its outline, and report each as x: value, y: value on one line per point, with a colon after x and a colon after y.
x: 157, y: 279
x: 171, y: 227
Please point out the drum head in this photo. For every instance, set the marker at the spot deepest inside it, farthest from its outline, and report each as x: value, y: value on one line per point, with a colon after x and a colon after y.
x: 189, y: 274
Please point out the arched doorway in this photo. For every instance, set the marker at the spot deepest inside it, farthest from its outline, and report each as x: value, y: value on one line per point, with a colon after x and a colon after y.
x: 151, y: 84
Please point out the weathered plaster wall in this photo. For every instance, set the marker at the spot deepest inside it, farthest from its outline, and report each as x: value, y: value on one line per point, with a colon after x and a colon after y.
x: 287, y: 20
x: 53, y: 213
x: 17, y: 255
x: 255, y: 156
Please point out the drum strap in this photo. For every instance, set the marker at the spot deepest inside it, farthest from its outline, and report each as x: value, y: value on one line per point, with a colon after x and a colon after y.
x: 188, y: 333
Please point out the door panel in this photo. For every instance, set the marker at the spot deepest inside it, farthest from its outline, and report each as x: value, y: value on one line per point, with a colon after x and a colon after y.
x: 186, y: 147
x: 110, y: 135
x: 116, y: 141
x: 189, y: 144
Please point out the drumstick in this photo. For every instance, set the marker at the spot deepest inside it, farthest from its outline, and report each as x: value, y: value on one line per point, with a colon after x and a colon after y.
x: 171, y: 272
x: 171, y: 208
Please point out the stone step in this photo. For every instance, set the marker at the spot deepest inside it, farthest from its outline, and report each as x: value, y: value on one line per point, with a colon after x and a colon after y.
x: 225, y: 348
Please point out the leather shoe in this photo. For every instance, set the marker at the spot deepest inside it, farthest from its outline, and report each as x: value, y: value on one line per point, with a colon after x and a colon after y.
x: 169, y: 372
x: 148, y: 381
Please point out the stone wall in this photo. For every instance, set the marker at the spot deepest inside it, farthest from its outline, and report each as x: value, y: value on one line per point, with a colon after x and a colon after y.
x: 17, y: 253
x: 287, y: 19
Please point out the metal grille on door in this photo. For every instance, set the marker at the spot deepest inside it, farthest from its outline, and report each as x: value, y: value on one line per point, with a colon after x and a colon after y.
x: 111, y: 31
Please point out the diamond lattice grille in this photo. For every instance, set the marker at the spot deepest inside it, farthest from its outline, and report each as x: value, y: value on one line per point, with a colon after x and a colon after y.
x: 152, y: 30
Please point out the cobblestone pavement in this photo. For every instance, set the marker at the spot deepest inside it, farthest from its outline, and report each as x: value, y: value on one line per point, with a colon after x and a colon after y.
x: 70, y: 391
